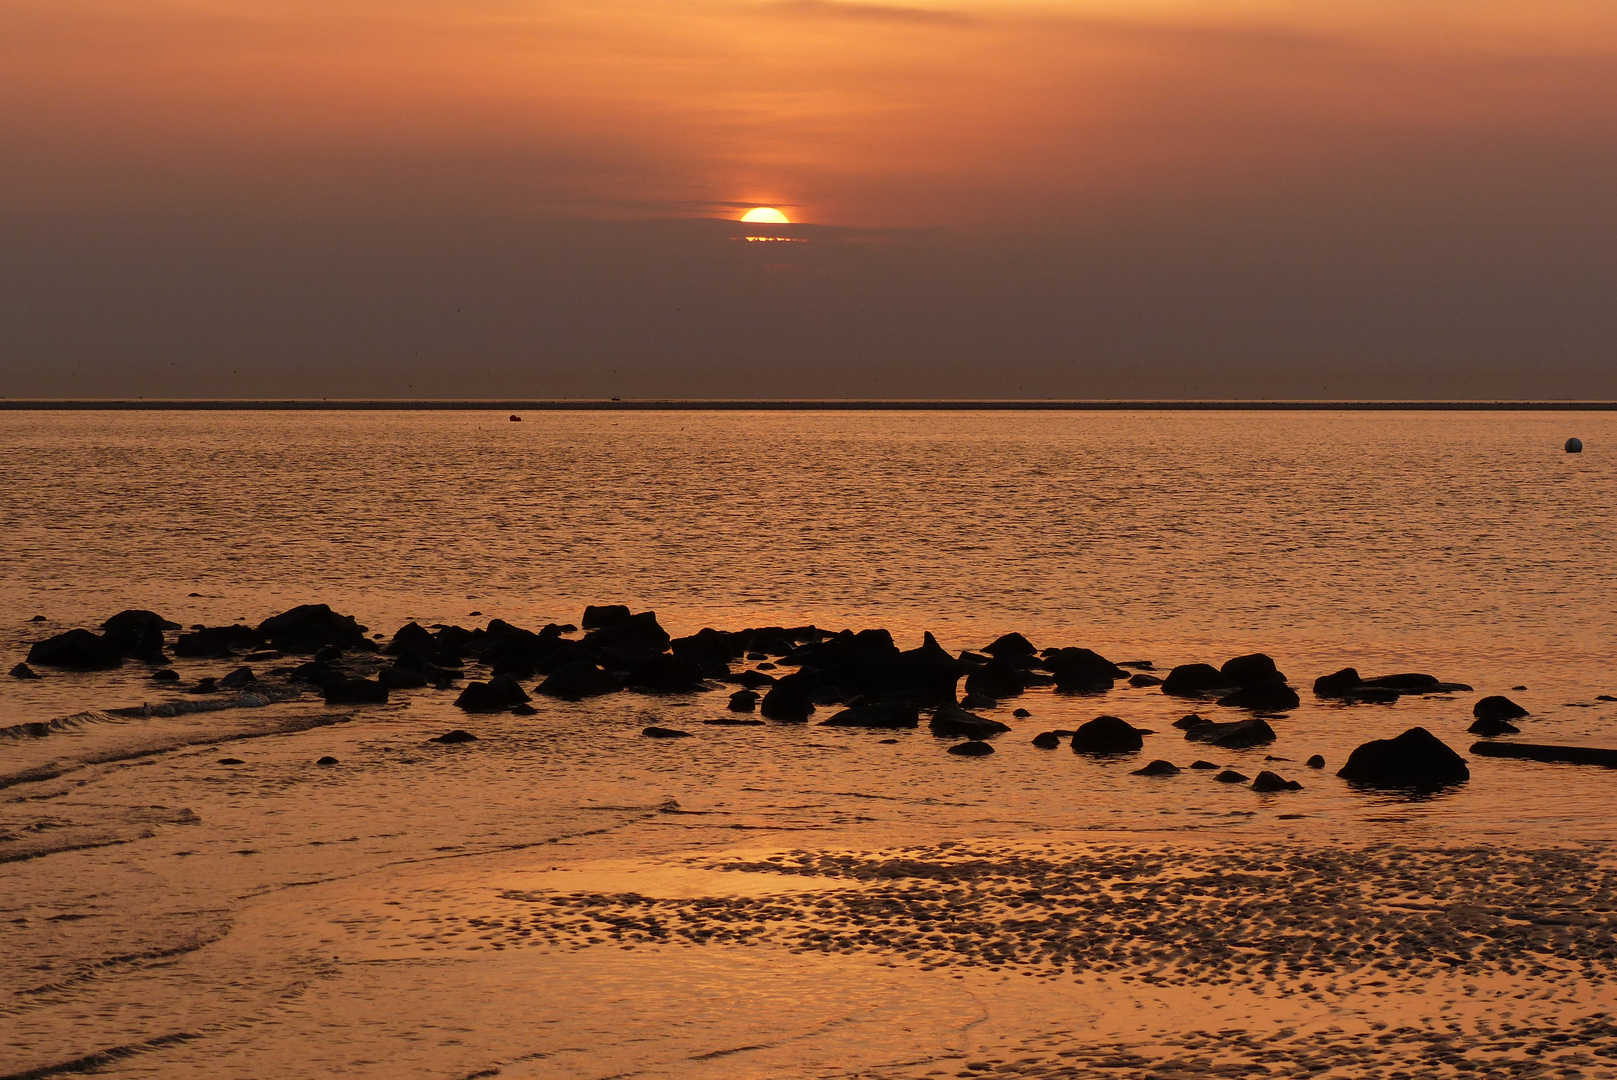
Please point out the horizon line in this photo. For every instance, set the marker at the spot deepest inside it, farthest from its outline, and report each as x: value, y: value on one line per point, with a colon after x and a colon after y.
x: 796, y: 404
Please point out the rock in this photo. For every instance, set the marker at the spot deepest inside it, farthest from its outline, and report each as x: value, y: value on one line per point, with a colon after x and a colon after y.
x: 231, y: 761
x: 76, y: 650
x: 326, y: 654
x: 754, y: 680
x: 1047, y: 740
x: 454, y: 737
x: 1195, y: 680
x: 355, y: 692
x: 788, y: 699
x: 971, y: 749
x: 23, y: 671
x: 1082, y: 671
x: 496, y: 695
x: 41, y: 618
x: 138, y: 633
x: 327, y: 760
x: 1334, y: 684
x: 1158, y: 768
x: 515, y: 418
x: 953, y: 722
x: 1262, y: 697
x: 1241, y: 735
x: 165, y: 675
x: 1415, y: 759
x: 1189, y: 721
x: 1497, y: 707
x: 602, y: 615
x: 1021, y: 714
x: 1251, y: 668
x: 1605, y: 697
x: 237, y: 679
x: 1106, y: 735
x: 1202, y: 765
x: 579, y: 680
x: 211, y: 641
x: 1574, y: 446
x: 1144, y: 680
x: 995, y: 679
x: 1565, y: 755
x: 205, y: 686
x: 1012, y: 646
x: 666, y: 674
x: 309, y: 627
x: 1491, y: 726
x: 395, y: 677
x: 977, y: 701
x: 1268, y: 782
x: 524, y: 709
x: 878, y: 715
x: 1370, y: 695
x: 733, y: 721
x: 1316, y: 762
x: 1230, y: 776
x: 655, y: 732
x: 743, y: 701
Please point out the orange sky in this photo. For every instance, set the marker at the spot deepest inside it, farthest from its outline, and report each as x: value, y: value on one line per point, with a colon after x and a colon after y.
x: 982, y: 113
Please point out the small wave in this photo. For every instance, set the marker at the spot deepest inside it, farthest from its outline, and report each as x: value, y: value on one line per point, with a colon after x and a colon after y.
x: 248, y: 699
x: 40, y: 729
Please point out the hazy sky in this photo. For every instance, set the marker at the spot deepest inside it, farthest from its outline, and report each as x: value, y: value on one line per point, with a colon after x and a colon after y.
x: 1068, y: 198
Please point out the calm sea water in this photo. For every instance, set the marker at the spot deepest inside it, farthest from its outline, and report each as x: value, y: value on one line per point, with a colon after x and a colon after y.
x: 163, y: 895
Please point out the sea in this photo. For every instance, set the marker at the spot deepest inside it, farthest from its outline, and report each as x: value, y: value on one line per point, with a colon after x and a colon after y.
x: 184, y: 892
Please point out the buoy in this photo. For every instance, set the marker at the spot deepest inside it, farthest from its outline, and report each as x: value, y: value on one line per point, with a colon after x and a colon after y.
x: 1574, y: 446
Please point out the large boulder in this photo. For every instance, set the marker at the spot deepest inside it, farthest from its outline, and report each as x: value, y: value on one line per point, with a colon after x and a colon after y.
x: 743, y: 701
x: 1106, y: 735
x: 1082, y: 671
x: 790, y: 699
x: 309, y: 627
x: 995, y: 679
x: 77, y: 650
x: 953, y: 722
x: 212, y: 641
x: 578, y: 680
x: 1497, y: 707
x: 1337, y: 683
x: 496, y: 695
x: 138, y: 633
x: 597, y: 616
x: 666, y: 673
x: 1251, y: 668
x: 1196, y: 680
x: 1012, y: 646
x: 1262, y: 697
x: 1415, y: 759
x: 1241, y: 735
x: 886, y: 715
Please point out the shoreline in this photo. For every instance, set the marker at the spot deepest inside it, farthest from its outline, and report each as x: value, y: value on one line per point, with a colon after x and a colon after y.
x: 775, y: 405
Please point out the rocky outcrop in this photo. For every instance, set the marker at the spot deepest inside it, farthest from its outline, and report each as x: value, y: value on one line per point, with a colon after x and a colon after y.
x: 1106, y: 735
x: 76, y: 650
x: 1415, y: 759
x: 1497, y: 707
x: 310, y: 627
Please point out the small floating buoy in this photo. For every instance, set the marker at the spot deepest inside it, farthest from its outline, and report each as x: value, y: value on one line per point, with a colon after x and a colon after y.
x: 515, y: 419
x: 1574, y: 446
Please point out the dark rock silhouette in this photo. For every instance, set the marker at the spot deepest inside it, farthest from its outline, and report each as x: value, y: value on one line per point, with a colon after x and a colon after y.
x: 1158, y: 768
x: 327, y: 760
x: 1262, y: 697
x: 138, y: 634
x: 355, y: 692
x: 953, y: 722
x: 1230, y: 776
x: 231, y: 761
x: 1106, y: 735
x: 1316, y: 762
x: 1240, y: 735
x: 396, y: 677
x: 971, y: 749
x: 1348, y: 685
x: 524, y: 709
x: 597, y: 616
x: 1415, y: 759
x: 733, y: 721
x: 1047, y: 740
x: 310, y: 627
x: 1082, y: 671
x: 1497, y: 707
x: 1564, y: 755
x: 1268, y: 781
x: 1202, y: 765
x: 666, y: 674
x: 877, y: 715
x: 1334, y: 684
x: 496, y: 695
x: 1195, y: 680
x: 743, y: 701
x: 41, y: 618
x: 655, y: 732
x: 1011, y: 646
x: 454, y: 737
x: 1144, y: 680
x: 23, y: 671
x: 789, y: 699
x: 995, y: 679
x: 1021, y: 714
x: 1249, y: 669
x: 978, y: 701
x: 213, y: 641
x: 1190, y: 720
x: 325, y: 654
x: 753, y: 680
x: 1492, y: 726
x: 238, y: 678
x: 579, y: 680
x: 165, y: 675
x: 76, y: 650
x: 205, y: 686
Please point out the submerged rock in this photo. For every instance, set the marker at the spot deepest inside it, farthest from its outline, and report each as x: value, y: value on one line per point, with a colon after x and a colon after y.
x: 1158, y: 768
x: 1492, y: 726
x: 1021, y: 714
x: 953, y: 722
x: 1565, y: 755
x: 971, y: 749
x: 743, y: 701
x: 1230, y: 776
x: 454, y: 737
x: 1047, y: 740
x: 655, y: 732
x: 1415, y: 759
x: 1202, y: 765
x: 977, y: 701
x: 878, y: 715
x: 1262, y: 697
x: 579, y: 680
x: 733, y: 721
x: 327, y: 760
x: 165, y: 675
x: 237, y: 679
x: 1240, y: 735
x: 1268, y: 781
x: 1106, y: 735
x: 1142, y: 680
x: 666, y: 674
x: 395, y: 677
x: 23, y: 671
x: 1316, y: 762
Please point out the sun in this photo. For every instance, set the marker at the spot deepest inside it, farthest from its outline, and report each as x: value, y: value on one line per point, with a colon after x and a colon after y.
x: 765, y: 215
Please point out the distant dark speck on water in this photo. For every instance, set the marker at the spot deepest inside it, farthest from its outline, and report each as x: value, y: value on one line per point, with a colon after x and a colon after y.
x: 515, y: 419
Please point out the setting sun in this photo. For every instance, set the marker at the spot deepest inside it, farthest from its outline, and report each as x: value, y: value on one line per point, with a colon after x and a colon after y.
x: 765, y: 215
